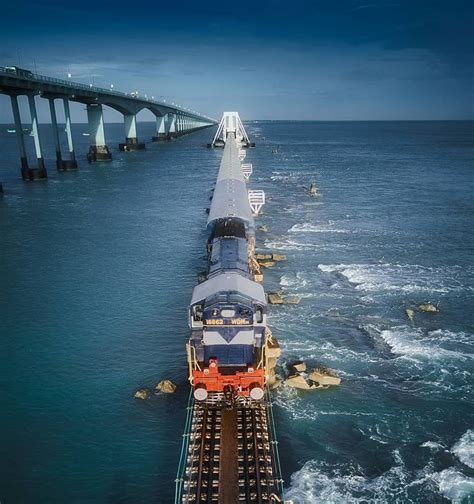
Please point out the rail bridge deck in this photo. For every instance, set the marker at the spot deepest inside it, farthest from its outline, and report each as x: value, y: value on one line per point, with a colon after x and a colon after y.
x: 229, y: 453
x: 230, y: 456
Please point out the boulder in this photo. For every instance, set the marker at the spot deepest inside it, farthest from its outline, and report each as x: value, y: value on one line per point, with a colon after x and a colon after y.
x: 298, y: 382
x: 266, y: 264
x: 273, y: 381
x: 271, y: 363
x: 165, y: 387
x: 275, y: 298
x: 428, y: 308
x: 142, y: 394
x: 410, y: 313
x: 263, y: 257
x: 263, y: 229
x: 299, y: 367
x: 258, y: 277
x: 274, y: 384
x: 278, y: 257
x: 324, y: 376
x: 273, y: 349
x: 313, y: 190
x: 291, y: 299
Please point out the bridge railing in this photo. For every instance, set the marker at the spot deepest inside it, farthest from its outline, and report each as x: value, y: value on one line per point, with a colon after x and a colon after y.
x: 34, y: 77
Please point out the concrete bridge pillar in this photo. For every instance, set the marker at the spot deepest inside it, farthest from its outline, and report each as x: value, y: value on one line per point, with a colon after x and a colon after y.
x: 98, y: 150
x: 172, y: 126
x: 26, y: 172
x: 41, y: 172
x: 161, y: 134
x: 70, y: 164
x: 54, y: 124
x: 131, y: 140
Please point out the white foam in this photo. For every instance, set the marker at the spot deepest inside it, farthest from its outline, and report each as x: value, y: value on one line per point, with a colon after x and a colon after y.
x: 288, y: 244
x: 432, y: 445
x: 404, y: 278
x: 464, y: 449
x: 306, y: 227
x: 293, y: 281
x: 454, y: 485
x: 406, y: 341
x: 318, y: 482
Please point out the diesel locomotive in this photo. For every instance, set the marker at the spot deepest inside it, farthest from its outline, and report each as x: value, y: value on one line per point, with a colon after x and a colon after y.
x: 228, y: 310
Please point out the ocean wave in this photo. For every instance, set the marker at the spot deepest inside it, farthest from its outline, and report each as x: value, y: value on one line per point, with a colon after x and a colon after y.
x: 432, y: 445
x: 288, y: 244
x: 464, y: 449
x: 455, y: 486
x: 306, y: 227
x: 403, y: 278
x: 406, y: 341
x: 318, y: 482
x: 295, y: 280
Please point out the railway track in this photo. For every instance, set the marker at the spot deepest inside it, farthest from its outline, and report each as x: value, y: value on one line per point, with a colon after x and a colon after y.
x: 230, y: 458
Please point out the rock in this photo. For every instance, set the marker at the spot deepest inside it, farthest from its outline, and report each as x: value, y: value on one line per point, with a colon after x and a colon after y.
x: 291, y: 300
x: 298, y: 382
x: 263, y: 257
x: 266, y: 264
x: 274, y: 384
x: 410, y: 313
x: 299, y: 367
x: 271, y: 363
x: 263, y: 229
x: 313, y: 190
x: 278, y: 257
x: 273, y: 381
x: 166, y: 387
x: 324, y: 376
x: 273, y: 349
x: 318, y: 386
x: 428, y: 308
x: 275, y: 298
x: 142, y: 394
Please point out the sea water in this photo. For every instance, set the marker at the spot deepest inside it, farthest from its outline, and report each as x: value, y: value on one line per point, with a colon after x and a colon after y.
x: 97, y: 267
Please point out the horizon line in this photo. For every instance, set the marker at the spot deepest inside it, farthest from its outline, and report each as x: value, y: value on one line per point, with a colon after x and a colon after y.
x: 282, y: 120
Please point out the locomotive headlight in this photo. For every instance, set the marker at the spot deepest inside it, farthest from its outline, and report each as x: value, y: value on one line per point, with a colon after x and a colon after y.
x: 200, y: 393
x: 226, y: 313
x: 256, y: 392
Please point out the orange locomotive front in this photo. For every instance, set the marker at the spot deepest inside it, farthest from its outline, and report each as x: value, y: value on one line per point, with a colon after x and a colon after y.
x: 248, y: 383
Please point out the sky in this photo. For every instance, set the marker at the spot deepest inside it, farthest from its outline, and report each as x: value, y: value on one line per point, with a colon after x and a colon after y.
x: 308, y: 60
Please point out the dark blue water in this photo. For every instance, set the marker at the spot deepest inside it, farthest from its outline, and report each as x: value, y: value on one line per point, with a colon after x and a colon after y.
x: 97, y: 267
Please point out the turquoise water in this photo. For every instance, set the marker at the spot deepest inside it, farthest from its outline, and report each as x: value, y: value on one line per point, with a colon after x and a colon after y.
x: 97, y: 267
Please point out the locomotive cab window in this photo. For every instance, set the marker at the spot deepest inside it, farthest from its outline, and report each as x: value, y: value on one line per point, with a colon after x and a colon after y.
x: 197, y: 313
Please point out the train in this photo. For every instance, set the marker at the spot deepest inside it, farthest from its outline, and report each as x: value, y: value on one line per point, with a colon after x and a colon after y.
x: 228, y: 310
x: 19, y: 72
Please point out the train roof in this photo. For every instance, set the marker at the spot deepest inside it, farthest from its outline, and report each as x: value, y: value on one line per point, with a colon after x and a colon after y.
x: 230, y: 194
x: 229, y: 282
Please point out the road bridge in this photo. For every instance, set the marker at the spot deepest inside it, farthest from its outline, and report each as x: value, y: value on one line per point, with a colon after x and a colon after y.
x: 171, y: 120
